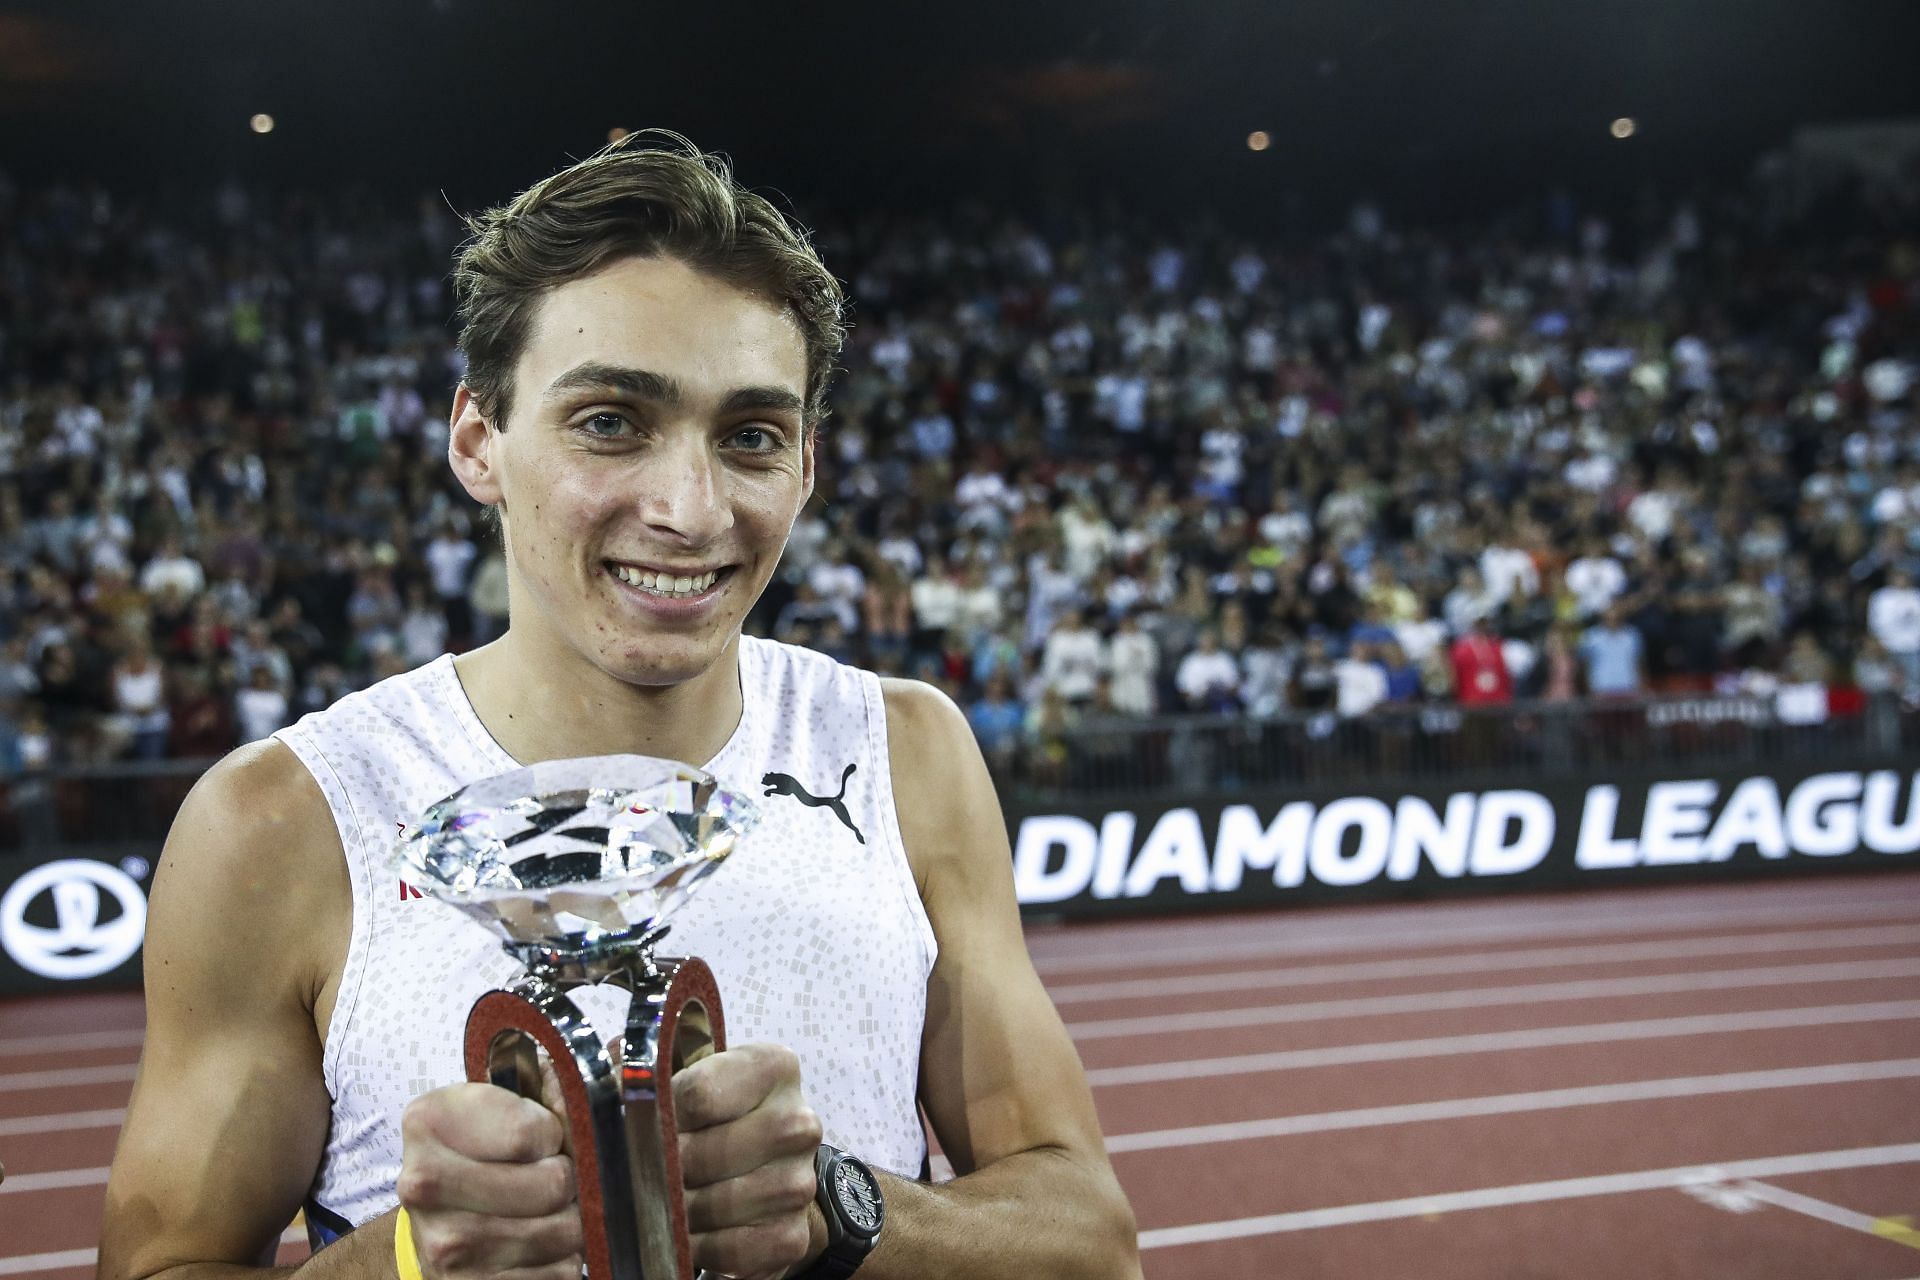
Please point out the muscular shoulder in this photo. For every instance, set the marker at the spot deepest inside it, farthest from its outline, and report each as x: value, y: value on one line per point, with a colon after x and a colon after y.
x: 252, y: 874
x: 949, y: 813
x: 928, y: 739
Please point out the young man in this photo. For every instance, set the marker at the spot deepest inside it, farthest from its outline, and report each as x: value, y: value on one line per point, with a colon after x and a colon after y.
x: 648, y: 349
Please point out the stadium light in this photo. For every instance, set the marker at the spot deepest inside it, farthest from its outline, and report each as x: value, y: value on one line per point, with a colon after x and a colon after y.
x: 1623, y: 127
x: 1259, y: 140
x: 262, y: 123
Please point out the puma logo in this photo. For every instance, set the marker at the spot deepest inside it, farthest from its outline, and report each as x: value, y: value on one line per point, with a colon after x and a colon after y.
x: 781, y: 784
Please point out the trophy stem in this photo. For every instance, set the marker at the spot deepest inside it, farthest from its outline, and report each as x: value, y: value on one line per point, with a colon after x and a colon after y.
x: 674, y: 1020
x: 503, y: 1028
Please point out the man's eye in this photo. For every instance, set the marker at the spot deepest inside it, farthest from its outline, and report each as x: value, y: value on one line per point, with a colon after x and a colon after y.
x: 605, y: 426
x: 756, y: 440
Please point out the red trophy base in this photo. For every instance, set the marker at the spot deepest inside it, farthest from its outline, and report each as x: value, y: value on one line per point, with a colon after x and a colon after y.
x: 618, y: 1099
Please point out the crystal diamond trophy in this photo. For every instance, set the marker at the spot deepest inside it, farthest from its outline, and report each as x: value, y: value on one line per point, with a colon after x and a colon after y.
x: 576, y: 865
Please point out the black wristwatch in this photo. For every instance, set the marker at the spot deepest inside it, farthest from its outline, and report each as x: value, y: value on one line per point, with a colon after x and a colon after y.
x: 849, y: 1198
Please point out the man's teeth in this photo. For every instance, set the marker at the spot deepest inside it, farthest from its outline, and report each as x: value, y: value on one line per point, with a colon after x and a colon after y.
x: 664, y: 584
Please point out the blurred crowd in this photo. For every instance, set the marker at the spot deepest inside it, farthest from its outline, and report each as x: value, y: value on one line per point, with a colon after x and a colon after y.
x: 1077, y: 471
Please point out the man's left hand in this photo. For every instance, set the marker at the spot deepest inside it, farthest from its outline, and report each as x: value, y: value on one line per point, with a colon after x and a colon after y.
x: 747, y: 1145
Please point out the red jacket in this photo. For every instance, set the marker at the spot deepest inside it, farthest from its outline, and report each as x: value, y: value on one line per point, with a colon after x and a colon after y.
x: 1480, y: 670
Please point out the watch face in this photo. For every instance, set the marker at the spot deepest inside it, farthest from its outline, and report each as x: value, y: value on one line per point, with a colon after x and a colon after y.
x: 858, y: 1195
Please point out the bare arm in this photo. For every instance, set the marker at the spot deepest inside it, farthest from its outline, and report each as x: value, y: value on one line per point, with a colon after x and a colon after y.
x: 1000, y: 1080
x: 229, y: 1113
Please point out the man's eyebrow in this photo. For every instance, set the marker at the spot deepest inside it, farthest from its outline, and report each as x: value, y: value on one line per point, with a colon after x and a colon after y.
x: 763, y: 400
x: 641, y: 384
x: 644, y: 384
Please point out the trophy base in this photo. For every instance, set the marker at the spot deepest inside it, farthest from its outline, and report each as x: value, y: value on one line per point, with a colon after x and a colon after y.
x: 618, y: 1101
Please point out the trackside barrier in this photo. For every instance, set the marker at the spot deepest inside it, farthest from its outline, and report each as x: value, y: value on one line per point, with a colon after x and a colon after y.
x: 72, y: 922
x: 1360, y: 842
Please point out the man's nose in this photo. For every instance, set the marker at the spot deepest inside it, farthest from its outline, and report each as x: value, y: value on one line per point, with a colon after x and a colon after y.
x: 687, y: 496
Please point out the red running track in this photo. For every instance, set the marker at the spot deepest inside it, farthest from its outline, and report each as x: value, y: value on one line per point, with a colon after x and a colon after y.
x: 1682, y: 1082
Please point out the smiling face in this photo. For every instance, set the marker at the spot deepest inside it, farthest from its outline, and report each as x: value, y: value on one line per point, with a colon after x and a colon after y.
x: 653, y: 464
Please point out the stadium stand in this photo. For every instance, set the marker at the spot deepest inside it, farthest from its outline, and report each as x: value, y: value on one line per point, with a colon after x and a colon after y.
x: 1114, y: 490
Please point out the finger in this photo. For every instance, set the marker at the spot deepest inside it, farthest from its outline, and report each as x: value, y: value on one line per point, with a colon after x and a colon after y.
x: 789, y: 1131
x: 483, y: 1122
x: 438, y: 1179
x: 767, y: 1192
x: 478, y: 1244
x: 773, y: 1246
x: 729, y: 1084
x: 555, y: 1101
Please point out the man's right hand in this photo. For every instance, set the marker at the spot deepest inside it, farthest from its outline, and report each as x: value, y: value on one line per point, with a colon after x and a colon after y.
x: 488, y: 1185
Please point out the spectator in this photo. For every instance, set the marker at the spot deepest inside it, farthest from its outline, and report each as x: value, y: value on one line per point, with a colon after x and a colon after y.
x: 1360, y: 682
x: 1047, y: 735
x: 1614, y: 657
x: 450, y: 559
x: 141, y: 718
x: 1806, y: 662
x: 255, y: 647
x: 1209, y: 678
x: 806, y: 610
x: 1468, y: 603
x: 998, y: 721
x: 202, y: 720
x: 1266, y: 671
x: 1752, y: 618
x: 424, y: 632
x: 887, y: 615
x: 1402, y: 676
x: 1596, y: 579
x: 1133, y: 659
x: 1480, y: 666
x: 172, y: 568
x: 1074, y: 658
x: 260, y: 707
x: 1315, y: 685
x: 18, y: 678
x: 937, y: 601
x: 980, y: 610
x: 1893, y: 616
x: 1556, y: 676
x: 487, y: 597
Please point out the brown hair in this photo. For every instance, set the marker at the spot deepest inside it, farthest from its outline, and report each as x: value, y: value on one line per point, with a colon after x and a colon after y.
x: 649, y: 193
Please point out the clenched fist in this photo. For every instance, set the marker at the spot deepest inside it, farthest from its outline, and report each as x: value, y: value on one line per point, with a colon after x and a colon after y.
x: 484, y: 1177
x: 747, y: 1142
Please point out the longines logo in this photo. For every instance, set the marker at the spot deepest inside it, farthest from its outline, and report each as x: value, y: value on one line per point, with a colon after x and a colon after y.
x: 53, y: 924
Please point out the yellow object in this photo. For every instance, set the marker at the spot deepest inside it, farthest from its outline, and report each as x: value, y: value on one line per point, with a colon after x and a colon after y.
x: 1900, y: 1230
x: 405, y: 1260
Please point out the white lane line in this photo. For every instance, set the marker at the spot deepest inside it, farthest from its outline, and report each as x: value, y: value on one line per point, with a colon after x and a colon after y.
x: 70, y: 1043
x: 1529, y: 1193
x: 1158, y: 1026
x: 1282, y: 936
x: 63, y: 1122
x: 1513, y: 1104
x: 28, y: 1263
x: 53, y: 1180
x: 1812, y: 1208
x: 1505, y: 1041
x: 66, y: 1077
x: 1484, y: 962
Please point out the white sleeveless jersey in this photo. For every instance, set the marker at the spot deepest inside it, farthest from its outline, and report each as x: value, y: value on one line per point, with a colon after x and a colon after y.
x: 814, y: 927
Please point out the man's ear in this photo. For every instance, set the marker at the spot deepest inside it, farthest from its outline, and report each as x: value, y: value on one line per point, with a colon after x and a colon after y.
x: 806, y: 464
x: 470, y: 443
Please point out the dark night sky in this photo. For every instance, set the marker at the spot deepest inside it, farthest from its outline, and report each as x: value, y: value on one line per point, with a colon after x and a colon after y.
x: 1433, y: 105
